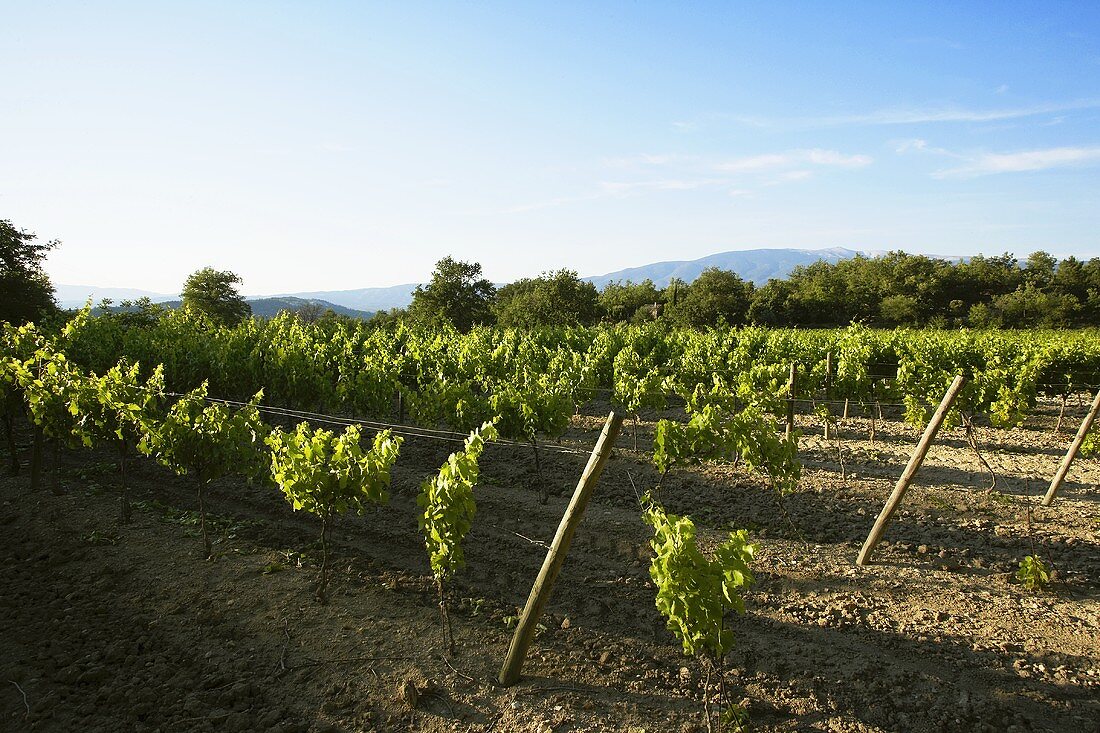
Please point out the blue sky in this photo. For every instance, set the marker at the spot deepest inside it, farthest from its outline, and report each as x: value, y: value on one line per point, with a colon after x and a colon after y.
x: 339, y: 145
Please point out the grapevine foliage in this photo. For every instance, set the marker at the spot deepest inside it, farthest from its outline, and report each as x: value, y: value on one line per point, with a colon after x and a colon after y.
x: 210, y: 441
x: 1033, y: 573
x: 718, y: 430
x: 448, y: 503
x: 119, y: 407
x: 694, y: 591
x: 1091, y: 445
x: 49, y: 382
x: 326, y: 474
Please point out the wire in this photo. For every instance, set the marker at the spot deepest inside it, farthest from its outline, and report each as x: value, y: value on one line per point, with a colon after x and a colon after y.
x: 411, y: 431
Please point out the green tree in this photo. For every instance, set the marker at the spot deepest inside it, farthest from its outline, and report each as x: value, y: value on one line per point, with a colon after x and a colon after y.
x: 899, y: 310
x: 456, y: 293
x: 715, y: 294
x: 25, y: 290
x: 214, y: 293
x: 771, y: 305
x: 1027, y: 307
x: 1039, y: 270
x: 553, y: 298
x: 621, y: 301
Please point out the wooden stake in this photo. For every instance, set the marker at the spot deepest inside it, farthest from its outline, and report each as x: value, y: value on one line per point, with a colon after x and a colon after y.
x: 555, y: 556
x: 828, y: 390
x: 790, y: 399
x: 910, y: 470
x: 1074, y: 447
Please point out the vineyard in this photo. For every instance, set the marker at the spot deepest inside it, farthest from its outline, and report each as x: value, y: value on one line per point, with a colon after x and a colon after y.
x: 281, y: 525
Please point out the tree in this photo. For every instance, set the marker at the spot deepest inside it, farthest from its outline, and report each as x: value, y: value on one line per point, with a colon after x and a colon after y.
x: 621, y: 301
x: 1027, y: 307
x: 456, y: 293
x: 310, y: 312
x: 771, y: 304
x: 553, y: 298
x: 1040, y: 269
x: 25, y: 290
x: 214, y: 293
x: 898, y: 310
x: 715, y: 294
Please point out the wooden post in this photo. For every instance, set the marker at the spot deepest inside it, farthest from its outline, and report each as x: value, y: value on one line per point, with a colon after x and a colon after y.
x: 1075, y: 446
x: 872, y: 409
x: 828, y: 392
x: 790, y: 399
x: 555, y: 556
x: 910, y: 470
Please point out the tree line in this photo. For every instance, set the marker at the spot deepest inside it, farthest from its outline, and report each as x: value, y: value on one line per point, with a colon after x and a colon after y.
x: 897, y: 289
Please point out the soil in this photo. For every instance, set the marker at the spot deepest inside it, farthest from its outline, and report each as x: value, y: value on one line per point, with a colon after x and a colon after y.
x: 112, y: 627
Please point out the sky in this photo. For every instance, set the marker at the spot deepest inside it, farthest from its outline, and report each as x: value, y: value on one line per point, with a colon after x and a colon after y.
x: 338, y: 145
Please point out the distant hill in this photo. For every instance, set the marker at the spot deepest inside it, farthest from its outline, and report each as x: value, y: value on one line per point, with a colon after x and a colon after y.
x: 756, y: 265
x: 365, y: 299
x: 75, y: 296
x: 271, y: 307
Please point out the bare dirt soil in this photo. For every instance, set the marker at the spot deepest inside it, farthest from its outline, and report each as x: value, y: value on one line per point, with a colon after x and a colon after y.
x: 110, y: 627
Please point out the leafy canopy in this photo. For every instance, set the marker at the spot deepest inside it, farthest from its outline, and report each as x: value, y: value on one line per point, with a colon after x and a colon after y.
x: 556, y: 298
x: 457, y: 293
x: 210, y: 441
x: 118, y: 406
x: 323, y: 473
x: 214, y: 293
x: 25, y: 290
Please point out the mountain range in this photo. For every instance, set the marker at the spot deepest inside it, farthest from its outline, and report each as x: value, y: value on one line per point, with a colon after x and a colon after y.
x: 756, y: 265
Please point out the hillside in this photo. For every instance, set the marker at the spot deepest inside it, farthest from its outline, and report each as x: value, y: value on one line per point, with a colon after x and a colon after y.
x: 271, y: 307
x: 755, y: 265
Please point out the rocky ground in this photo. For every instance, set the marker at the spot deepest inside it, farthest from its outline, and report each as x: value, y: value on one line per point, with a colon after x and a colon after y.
x: 111, y: 627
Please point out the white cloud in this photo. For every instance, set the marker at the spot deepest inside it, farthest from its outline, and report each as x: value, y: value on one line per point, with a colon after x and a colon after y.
x: 559, y: 201
x: 791, y: 158
x: 915, y: 115
x: 952, y: 114
x: 648, y: 173
x: 625, y: 187
x: 1024, y: 161
x: 646, y: 160
x: 921, y: 146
